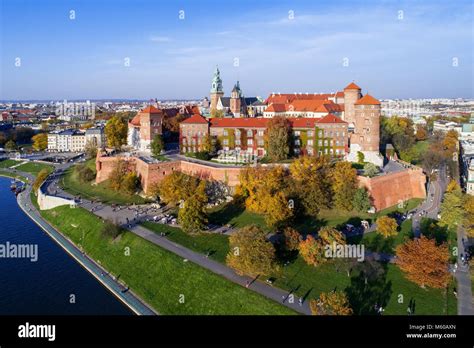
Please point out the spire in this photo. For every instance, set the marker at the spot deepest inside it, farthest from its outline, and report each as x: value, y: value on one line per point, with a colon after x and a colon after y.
x: 237, y: 89
x: 216, y: 85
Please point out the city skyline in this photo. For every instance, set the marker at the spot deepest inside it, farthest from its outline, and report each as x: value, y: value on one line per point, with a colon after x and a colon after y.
x: 118, y: 50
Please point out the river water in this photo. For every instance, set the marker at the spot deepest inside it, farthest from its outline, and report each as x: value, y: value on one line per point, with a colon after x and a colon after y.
x: 55, y: 283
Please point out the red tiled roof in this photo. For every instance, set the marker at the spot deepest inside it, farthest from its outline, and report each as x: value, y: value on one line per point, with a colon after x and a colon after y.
x: 367, y: 100
x: 330, y: 118
x: 196, y: 118
x: 352, y: 85
x: 254, y: 122
x: 136, y: 120
x: 260, y: 122
x: 284, y: 98
x: 151, y: 110
x: 276, y: 108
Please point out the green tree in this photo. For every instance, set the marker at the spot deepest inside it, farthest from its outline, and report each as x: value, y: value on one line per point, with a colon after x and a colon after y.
x: 217, y: 113
x: 452, y: 206
x: 361, y: 201
x: 117, y: 175
x: 250, y: 252
x: 157, y: 145
x: 278, y: 138
x: 10, y: 145
x: 116, y: 130
x: 90, y: 149
x: 360, y: 157
x: 370, y: 170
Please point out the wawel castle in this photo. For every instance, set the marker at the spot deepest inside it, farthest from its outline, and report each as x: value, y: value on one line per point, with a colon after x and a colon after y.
x: 339, y: 124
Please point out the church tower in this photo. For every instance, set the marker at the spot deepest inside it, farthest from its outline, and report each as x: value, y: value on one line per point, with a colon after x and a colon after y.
x: 216, y: 89
x: 235, y: 100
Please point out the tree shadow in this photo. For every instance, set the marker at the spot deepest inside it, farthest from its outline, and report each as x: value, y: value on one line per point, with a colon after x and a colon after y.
x: 227, y: 213
x: 369, y: 288
x: 431, y: 229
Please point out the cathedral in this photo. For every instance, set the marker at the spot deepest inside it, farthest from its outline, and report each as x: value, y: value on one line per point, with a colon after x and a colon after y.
x: 237, y: 105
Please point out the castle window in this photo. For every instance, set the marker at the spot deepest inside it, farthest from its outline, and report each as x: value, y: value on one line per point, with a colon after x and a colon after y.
x: 249, y: 141
x: 260, y: 133
x: 226, y: 142
x: 226, y: 133
x: 297, y: 141
x: 297, y: 133
x: 261, y: 142
x: 237, y: 133
x: 310, y: 133
x: 237, y: 142
x: 310, y: 142
x: 249, y: 133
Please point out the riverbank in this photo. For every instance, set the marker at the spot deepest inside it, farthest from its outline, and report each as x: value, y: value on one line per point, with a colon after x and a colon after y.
x: 126, y: 296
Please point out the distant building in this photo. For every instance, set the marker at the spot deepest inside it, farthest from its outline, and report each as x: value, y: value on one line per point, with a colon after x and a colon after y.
x: 72, y: 140
x: 445, y: 126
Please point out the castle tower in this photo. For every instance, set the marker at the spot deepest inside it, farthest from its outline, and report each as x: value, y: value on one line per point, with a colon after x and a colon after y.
x: 235, y: 101
x: 150, y: 125
x: 366, y: 135
x: 352, y: 93
x: 216, y: 89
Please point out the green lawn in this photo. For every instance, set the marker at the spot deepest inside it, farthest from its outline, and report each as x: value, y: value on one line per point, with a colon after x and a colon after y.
x: 236, y: 215
x: 34, y: 167
x: 158, y: 276
x: 100, y: 192
x: 217, y: 245
x: 7, y: 163
x: 14, y: 176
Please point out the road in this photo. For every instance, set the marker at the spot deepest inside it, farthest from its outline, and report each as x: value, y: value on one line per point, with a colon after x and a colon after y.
x: 432, y: 203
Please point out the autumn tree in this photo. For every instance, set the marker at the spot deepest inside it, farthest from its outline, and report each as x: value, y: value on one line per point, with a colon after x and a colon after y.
x: 40, y: 178
x: 313, y: 250
x: 361, y: 200
x: 265, y: 192
x: 130, y: 183
x: 360, y: 157
x: 387, y: 226
x: 116, y: 130
x: 291, y: 239
x: 421, y: 133
x: 175, y: 188
x: 40, y: 141
x: 344, y: 185
x: 311, y: 183
x: 423, y: 262
x: 451, y: 211
x: 278, y: 138
x: 192, y: 214
x: 117, y: 175
x: 331, y: 303
x: 469, y: 215
x: 157, y: 145
x: 250, y: 252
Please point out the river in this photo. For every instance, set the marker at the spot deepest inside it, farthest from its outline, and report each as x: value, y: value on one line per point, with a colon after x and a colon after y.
x: 53, y: 285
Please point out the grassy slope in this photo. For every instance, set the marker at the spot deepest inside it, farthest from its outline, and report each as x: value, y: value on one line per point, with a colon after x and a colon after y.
x: 157, y: 275
x: 7, y: 163
x: 71, y: 183
x: 34, y: 167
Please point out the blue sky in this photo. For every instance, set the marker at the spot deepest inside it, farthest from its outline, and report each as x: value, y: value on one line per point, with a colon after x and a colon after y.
x: 390, y: 54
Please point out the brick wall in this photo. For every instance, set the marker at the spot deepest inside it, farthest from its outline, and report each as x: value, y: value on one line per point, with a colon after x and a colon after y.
x: 388, y: 190
x: 385, y: 190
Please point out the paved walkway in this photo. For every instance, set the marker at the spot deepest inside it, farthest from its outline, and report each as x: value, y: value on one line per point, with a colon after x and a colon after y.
x: 119, y: 290
x: 463, y: 276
